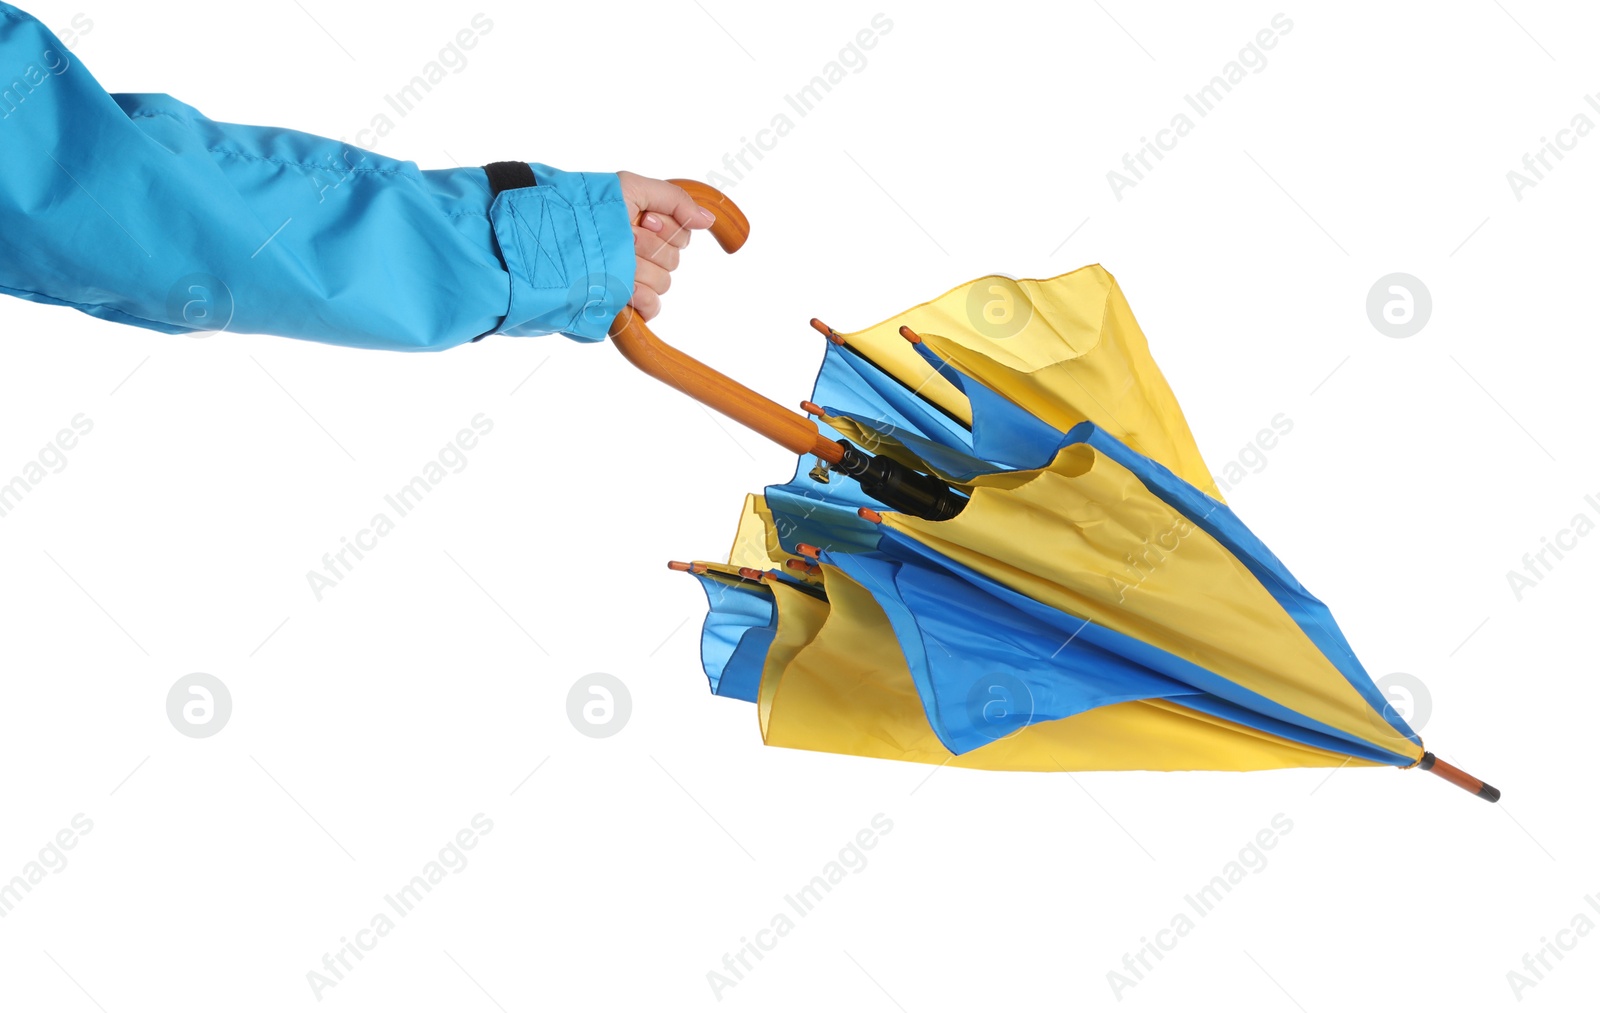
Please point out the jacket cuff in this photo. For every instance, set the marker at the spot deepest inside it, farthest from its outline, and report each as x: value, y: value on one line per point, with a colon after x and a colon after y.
x: 567, y: 243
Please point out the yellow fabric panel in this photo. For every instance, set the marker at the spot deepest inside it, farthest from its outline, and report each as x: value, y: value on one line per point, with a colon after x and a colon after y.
x: 800, y: 616
x: 1086, y: 537
x: 847, y: 690
x: 842, y: 686
x: 755, y: 541
x: 1148, y: 735
x: 1077, y: 354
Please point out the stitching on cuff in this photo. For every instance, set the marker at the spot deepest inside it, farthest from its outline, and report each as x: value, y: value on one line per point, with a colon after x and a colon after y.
x: 583, y: 247
x: 557, y: 265
x: 522, y: 258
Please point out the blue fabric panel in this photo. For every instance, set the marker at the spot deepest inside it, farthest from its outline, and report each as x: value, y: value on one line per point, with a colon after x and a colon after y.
x: 932, y: 358
x: 1185, y: 677
x: 737, y: 633
x: 1013, y: 438
x: 849, y: 381
x: 986, y: 669
x: 741, y: 679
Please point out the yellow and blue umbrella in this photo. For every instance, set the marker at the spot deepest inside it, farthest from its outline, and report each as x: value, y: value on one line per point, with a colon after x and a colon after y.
x: 1002, y: 549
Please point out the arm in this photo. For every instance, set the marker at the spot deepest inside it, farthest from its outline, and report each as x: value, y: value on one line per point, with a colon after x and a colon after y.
x: 139, y: 209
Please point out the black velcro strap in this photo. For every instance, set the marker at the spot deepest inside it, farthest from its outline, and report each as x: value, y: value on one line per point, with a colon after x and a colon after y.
x: 509, y: 176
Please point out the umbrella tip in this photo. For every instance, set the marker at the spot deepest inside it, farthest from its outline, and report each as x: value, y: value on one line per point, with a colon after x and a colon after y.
x: 678, y: 565
x: 811, y: 569
x: 810, y: 551
x: 811, y: 408
x: 911, y: 335
x: 826, y: 331
x: 751, y: 573
x: 1458, y: 777
x: 869, y: 514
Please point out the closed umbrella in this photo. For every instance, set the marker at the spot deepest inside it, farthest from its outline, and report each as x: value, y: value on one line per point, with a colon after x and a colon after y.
x: 1002, y: 549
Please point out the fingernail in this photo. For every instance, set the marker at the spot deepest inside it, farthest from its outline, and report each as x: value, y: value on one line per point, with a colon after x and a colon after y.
x: 652, y: 223
x: 707, y: 215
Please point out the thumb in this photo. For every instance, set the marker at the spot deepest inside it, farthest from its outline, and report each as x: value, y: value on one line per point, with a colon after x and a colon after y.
x: 673, y: 201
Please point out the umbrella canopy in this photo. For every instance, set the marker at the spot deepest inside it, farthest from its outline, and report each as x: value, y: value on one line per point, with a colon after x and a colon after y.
x: 1062, y: 588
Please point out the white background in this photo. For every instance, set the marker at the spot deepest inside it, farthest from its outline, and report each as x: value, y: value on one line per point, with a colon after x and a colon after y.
x: 369, y: 727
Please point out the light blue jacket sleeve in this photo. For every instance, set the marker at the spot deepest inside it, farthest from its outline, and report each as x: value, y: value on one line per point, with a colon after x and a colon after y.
x: 138, y: 209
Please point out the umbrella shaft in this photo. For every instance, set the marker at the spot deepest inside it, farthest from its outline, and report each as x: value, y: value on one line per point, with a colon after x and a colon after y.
x: 1459, y: 777
x: 900, y: 487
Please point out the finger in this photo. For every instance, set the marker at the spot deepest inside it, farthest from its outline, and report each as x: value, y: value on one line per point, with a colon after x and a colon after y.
x: 655, y: 249
x: 662, y: 254
x: 666, y: 260
x: 673, y: 202
x: 655, y: 278
x: 668, y: 229
x: 646, y: 301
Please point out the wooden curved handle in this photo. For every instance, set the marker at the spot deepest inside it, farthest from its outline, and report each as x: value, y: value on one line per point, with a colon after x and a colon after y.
x: 731, y: 228
x: 691, y: 376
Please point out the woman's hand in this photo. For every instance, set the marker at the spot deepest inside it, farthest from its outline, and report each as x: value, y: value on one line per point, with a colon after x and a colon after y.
x: 662, y: 215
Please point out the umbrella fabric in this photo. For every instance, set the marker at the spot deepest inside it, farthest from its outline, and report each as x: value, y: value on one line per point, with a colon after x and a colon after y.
x: 1095, y: 605
x: 1068, y: 348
